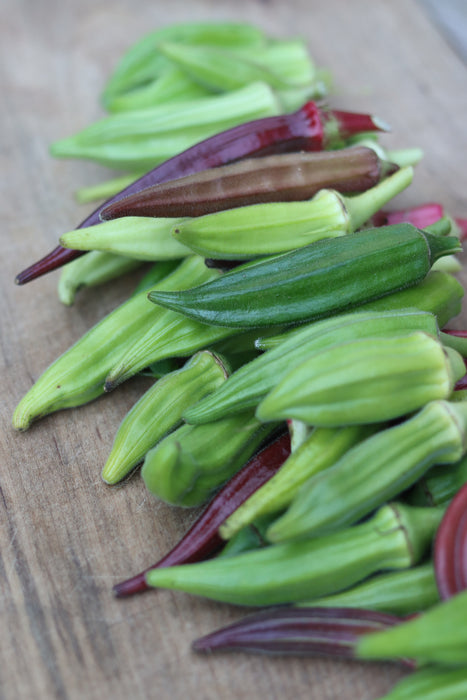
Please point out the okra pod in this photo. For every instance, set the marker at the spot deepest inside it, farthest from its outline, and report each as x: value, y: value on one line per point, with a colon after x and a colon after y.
x: 276, y: 227
x: 139, y: 238
x: 439, y: 485
x: 321, y: 279
x: 319, y: 452
x: 247, y: 386
x: 375, y: 471
x: 397, y: 536
x: 396, y: 592
x: 431, y: 684
x: 91, y: 270
x: 438, y: 636
x: 78, y: 375
x: 274, y: 178
x: 361, y: 381
x: 160, y: 410
x: 188, y: 465
x: 450, y: 548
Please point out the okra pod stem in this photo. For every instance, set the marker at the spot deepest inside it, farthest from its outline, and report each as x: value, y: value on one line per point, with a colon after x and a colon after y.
x: 374, y: 471
x: 203, y: 540
x: 159, y: 410
x: 396, y: 537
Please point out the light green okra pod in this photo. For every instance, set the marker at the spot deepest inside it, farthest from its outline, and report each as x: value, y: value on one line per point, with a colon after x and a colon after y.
x: 375, y: 471
x: 365, y: 381
x: 188, y: 465
x: 431, y: 684
x: 250, y: 384
x: 396, y: 537
x: 438, y: 636
x: 91, y: 270
x: 395, y: 592
x: 138, y: 237
x: 276, y: 227
x: 159, y: 410
x: 319, y: 452
x: 78, y: 375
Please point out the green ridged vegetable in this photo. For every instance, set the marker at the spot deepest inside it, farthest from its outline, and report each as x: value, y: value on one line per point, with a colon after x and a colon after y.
x: 374, y: 471
x: 365, y: 381
x: 138, y: 237
x: 318, y: 452
x: 159, y: 410
x: 276, y: 227
x: 395, y: 538
x: 395, y: 592
x: 431, y: 684
x: 189, y: 464
x: 91, y: 270
x: 440, y: 484
x: 321, y: 279
x: 78, y: 375
x: 438, y: 636
x: 250, y: 384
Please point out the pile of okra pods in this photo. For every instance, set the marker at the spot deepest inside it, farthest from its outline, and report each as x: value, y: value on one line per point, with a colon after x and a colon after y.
x: 306, y: 388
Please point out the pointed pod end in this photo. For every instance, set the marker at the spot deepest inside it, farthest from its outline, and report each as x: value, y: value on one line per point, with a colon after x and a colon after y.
x: 132, y: 586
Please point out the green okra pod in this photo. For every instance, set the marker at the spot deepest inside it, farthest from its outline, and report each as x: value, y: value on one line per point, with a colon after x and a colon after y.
x: 397, y: 592
x: 321, y: 279
x: 431, y: 684
x: 78, y: 375
x: 159, y: 410
x: 439, y: 485
x: 365, y: 381
x: 319, y: 452
x: 438, y: 636
x: 250, y: 384
x: 276, y: 227
x: 375, y: 471
x: 396, y: 537
x: 91, y: 270
x: 138, y: 237
x: 188, y: 465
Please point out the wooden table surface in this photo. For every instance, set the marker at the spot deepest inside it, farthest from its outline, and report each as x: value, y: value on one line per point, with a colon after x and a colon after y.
x: 65, y: 537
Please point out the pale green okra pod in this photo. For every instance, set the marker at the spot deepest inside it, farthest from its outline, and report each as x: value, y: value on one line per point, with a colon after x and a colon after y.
x: 365, y: 381
x: 375, y: 471
x: 431, y: 684
x: 159, y: 410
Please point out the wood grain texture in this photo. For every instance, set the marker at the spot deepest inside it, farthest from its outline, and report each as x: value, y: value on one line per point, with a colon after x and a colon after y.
x: 65, y: 537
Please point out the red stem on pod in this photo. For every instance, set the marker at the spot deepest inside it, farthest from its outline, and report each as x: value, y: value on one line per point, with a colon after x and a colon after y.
x: 312, y: 631
x: 450, y: 549
x: 203, y: 540
x: 305, y: 129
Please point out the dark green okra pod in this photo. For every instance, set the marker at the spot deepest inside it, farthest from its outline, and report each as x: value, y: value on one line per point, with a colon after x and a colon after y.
x: 396, y: 592
x: 160, y: 410
x: 318, y: 452
x: 431, y: 684
x: 396, y: 537
x: 438, y: 636
x: 321, y: 279
x: 188, y: 465
x: 374, y: 471
x: 246, y: 387
x: 439, y: 485
x: 365, y: 381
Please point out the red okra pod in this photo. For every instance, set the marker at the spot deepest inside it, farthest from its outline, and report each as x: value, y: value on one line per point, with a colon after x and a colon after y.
x: 203, y: 539
x: 309, y: 128
x: 331, y: 632
x: 450, y: 549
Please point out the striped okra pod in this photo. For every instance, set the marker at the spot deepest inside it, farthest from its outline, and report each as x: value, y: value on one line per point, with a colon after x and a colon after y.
x: 374, y: 471
x: 247, y: 386
x: 78, y: 375
x: 276, y: 227
x: 365, y: 381
x: 159, y: 410
x: 321, y: 279
x: 396, y: 537
x: 396, y: 592
x: 188, y: 465
x: 438, y: 636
